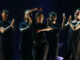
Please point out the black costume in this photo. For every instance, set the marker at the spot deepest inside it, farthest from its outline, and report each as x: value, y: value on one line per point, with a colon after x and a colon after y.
x: 53, y: 42
x: 72, y: 52
x: 26, y: 42
x: 7, y: 47
x: 40, y: 47
x: 1, y: 53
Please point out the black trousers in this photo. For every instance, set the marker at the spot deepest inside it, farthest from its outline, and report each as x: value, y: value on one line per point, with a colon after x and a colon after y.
x: 7, y: 50
x: 26, y: 52
x: 26, y: 56
x: 40, y: 50
x: 53, y: 50
x: 1, y: 52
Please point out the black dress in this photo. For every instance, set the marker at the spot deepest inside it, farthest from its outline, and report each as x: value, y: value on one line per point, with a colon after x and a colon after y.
x: 72, y: 52
x: 7, y: 47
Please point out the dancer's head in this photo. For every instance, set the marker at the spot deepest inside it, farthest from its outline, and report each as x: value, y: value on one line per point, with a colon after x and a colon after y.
x: 39, y: 17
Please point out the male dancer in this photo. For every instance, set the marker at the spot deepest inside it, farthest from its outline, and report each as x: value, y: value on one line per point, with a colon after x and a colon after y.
x: 6, y: 35
x: 26, y: 41
x: 52, y: 36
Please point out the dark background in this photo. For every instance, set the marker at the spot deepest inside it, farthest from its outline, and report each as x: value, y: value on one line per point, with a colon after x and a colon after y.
x: 17, y: 8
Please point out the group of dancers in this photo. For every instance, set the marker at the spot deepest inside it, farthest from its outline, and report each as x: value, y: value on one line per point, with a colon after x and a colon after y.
x: 39, y: 41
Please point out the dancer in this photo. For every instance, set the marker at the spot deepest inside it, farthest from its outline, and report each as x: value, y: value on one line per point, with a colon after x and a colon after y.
x: 25, y: 30
x: 40, y: 43
x: 6, y: 35
x: 72, y: 52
